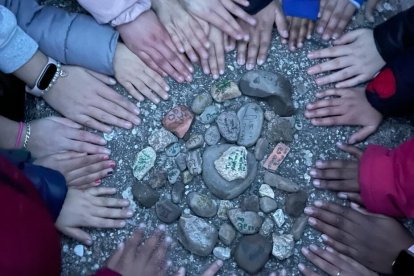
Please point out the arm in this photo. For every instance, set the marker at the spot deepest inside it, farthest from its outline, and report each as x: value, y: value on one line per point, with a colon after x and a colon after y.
x: 301, y: 8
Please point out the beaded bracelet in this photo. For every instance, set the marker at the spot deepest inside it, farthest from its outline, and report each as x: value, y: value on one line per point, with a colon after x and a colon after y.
x: 19, y: 135
x: 59, y: 73
x: 27, y: 137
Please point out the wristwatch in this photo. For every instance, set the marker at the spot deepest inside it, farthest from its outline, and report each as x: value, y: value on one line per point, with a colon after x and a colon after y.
x: 404, y: 264
x: 46, y: 79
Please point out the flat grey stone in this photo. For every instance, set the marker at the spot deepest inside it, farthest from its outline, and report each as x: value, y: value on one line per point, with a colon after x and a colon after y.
x: 279, y: 182
x: 173, y: 150
x: 246, y: 222
x: 212, y: 136
x: 267, y: 227
x: 295, y: 203
x: 145, y: 195
x: 267, y: 204
x: 261, y: 148
x: 181, y: 161
x: 167, y: 211
x: 252, y: 253
x: 194, y: 142
x: 222, y: 253
x: 299, y: 226
x: 227, y: 234
x: 194, y: 162
x: 161, y: 138
x: 250, y: 203
x: 158, y: 180
x: 177, y: 192
x: 229, y: 125
x: 209, y: 115
x: 282, y: 246
x: 200, y: 102
x: 251, y: 123
x: 280, y: 130
x: 202, y: 205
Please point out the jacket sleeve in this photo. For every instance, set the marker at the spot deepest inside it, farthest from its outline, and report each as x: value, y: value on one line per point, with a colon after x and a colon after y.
x: 16, y: 47
x: 256, y: 5
x: 386, y: 178
x: 395, y: 35
x: 71, y: 38
x: 115, y: 12
x: 106, y: 272
x: 301, y: 8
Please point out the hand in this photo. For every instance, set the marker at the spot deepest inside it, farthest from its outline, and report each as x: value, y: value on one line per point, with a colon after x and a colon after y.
x: 83, y: 97
x: 80, y: 170
x: 148, y: 39
x: 210, y: 271
x: 188, y: 33
x: 55, y: 134
x: 260, y: 37
x: 137, y: 78
x: 89, y: 209
x: 369, y: 10
x: 355, y: 56
x: 335, y: 16
x: 349, y: 107
x: 219, y: 13
x: 357, y: 234
x: 139, y: 256
x: 215, y: 61
x: 332, y: 262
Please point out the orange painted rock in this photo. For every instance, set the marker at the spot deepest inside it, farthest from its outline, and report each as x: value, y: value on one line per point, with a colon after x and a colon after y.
x: 178, y: 120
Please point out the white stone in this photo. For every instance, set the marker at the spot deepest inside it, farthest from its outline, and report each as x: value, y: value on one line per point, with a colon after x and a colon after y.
x: 144, y: 161
x: 79, y: 250
x: 279, y: 217
x: 222, y: 253
x: 283, y: 246
x: 232, y: 164
x: 266, y: 190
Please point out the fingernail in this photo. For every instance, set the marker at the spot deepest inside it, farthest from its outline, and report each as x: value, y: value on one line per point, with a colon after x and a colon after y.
x: 305, y: 250
x: 319, y: 163
x: 167, y: 88
x: 246, y: 37
x: 335, y: 36
x: 111, y: 164
x: 329, y: 249
x: 318, y: 203
x: 129, y: 213
x: 324, y: 237
x: 207, y: 44
x: 112, y: 81
x: 312, y: 172
x: 339, y: 144
x: 88, y: 242
x: 240, y: 61
x: 239, y: 37
x: 98, y: 181
x: 300, y: 44
x: 308, y: 210
x: 249, y: 66
x: 105, y: 157
x: 301, y: 267
x: 122, y: 224
x: 121, y: 246
x: 260, y: 61
x: 285, y: 34
x: 316, y: 183
x: 313, y: 247
x: 168, y: 240
x: 221, y: 71
x: 312, y: 221
x: 109, y: 173
x: 191, y: 69
x: 219, y: 263
x: 311, y: 71
x: 136, y: 111
x: 161, y: 227
x: 325, y: 37
x: 308, y: 36
x: 319, y: 30
x: 189, y: 78
x: 342, y: 195
x: 215, y: 76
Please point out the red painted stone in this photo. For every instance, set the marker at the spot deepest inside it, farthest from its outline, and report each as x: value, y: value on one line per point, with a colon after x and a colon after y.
x: 178, y: 120
x: 276, y: 157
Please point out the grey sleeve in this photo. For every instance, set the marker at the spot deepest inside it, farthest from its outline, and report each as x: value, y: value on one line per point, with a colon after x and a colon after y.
x: 71, y: 38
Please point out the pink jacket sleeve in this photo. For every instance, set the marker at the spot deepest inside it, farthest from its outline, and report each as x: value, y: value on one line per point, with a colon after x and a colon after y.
x: 115, y: 12
x: 386, y: 177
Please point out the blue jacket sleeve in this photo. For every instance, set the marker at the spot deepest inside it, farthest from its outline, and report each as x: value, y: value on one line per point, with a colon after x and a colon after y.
x: 301, y: 8
x: 71, y: 38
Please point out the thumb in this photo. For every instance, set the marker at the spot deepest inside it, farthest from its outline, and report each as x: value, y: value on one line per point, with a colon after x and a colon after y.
x: 347, y: 38
x: 281, y: 22
x: 77, y: 234
x: 103, y: 78
x: 369, y: 10
x: 361, y: 134
x: 352, y: 150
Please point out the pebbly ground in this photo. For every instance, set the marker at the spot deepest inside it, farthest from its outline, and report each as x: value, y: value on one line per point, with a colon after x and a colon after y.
x: 310, y: 144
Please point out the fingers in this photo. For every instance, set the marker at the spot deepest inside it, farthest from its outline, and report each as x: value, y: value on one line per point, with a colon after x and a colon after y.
x: 213, y: 268
x: 241, y: 52
x: 94, y: 124
x: 264, y: 45
x: 180, y: 272
x: 132, y: 244
x: 212, y: 63
x: 150, y: 247
x: 320, y: 259
x: 326, y: 12
x: 294, y: 33
x: 238, y: 12
x: 109, y: 202
x: 229, y: 43
x: 331, y: 65
x: 101, y: 191
x: 347, y: 38
x: 362, y: 134
x: 253, y: 50
x: 116, y: 256
x: 306, y: 271
x: 65, y: 121
x: 354, y: 151
x: 103, y: 78
x: 336, y: 174
x: 118, y: 106
x: 344, y: 20
x: 369, y: 10
x: 77, y: 234
x: 354, y: 197
x: 281, y: 23
x: 225, y: 22
x: 198, y: 40
x: 89, y: 174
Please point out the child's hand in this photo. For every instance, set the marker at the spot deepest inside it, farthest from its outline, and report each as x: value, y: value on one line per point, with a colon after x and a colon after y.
x: 349, y: 107
x: 369, y: 9
x: 334, y: 17
x: 215, y: 62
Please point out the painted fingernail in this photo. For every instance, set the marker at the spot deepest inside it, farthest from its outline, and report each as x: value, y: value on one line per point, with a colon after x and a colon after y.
x: 109, y: 173
x: 312, y: 172
x: 316, y: 183
x: 324, y: 237
x: 312, y: 221
x: 98, y: 181
x: 318, y: 203
x: 308, y: 210
x: 111, y: 164
x: 343, y: 195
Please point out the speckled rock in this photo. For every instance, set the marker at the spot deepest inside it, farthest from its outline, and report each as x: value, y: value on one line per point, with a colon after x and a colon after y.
x: 209, y: 115
x: 178, y: 120
x: 161, y: 138
x: 299, y: 226
x: 279, y: 217
x: 187, y: 177
x: 246, y: 222
x: 295, y: 203
x: 250, y: 203
x: 145, y: 195
x: 225, y: 90
x: 167, y: 211
x: 177, y: 192
x: 267, y: 227
x: 173, y: 150
x: 194, y: 142
x: 212, y: 136
x: 196, y: 235
x: 224, y: 206
x: 173, y: 175
x: 144, y: 161
x: 200, y: 102
x: 251, y: 122
x: 227, y: 234
x: 194, y: 162
x: 222, y: 253
x: 280, y: 130
x: 282, y: 246
x: 202, y: 205
x: 252, y: 253
x: 181, y: 161
x: 158, y: 180
x: 229, y: 125
x: 261, y: 148
x: 218, y: 185
x: 279, y: 182
x: 232, y: 164
x: 266, y: 190
x: 267, y: 204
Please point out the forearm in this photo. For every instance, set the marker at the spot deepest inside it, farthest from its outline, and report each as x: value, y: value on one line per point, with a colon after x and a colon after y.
x: 30, y: 71
x: 9, y: 133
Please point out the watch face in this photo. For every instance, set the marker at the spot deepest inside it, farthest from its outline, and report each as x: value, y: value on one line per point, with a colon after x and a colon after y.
x: 47, y: 76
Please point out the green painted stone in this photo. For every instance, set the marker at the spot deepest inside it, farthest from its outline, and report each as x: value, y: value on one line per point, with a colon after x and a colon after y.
x: 144, y: 161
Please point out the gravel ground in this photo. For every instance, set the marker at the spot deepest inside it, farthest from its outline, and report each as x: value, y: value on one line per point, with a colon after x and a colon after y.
x: 310, y: 144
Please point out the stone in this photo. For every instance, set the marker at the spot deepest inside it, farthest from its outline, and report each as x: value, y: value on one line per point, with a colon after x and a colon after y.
x: 181, y: 161
x: 173, y: 176
x: 220, y: 187
x: 178, y: 120
x: 79, y: 250
x: 167, y: 211
x: 299, y: 226
x: 202, y: 205
x: 252, y: 253
x: 212, y: 136
x: 276, y: 158
x: 269, y: 115
x: 251, y: 122
x: 187, y: 177
x: 279, y: 217
x: 261, y: 148
x: 194, y: 162
x: 250, y: 203
x: 177, y: 192
x: 280, y: 182
x: 158, y: 180
x: 266, y: 190
x: 200, y: 102
x: 232, y: 164
x: 272, y: 87
x: 267, y: 204
x: 196, y: 235
x: 246, y: 222
x: 229, y: 125
x: 224, y: 206
x: 225, y: 90
x: 267, y: 227
x: 280, y: 130
x: 194, y: 142
x: 295, y: 203
x: 227, y: 234
x: 282, y: 246
x: 144, y: 161
x: 173, y: 150
x: 145, y: 195
x: 210, y: 114
x: 161, y: 138
x: 222, y: 253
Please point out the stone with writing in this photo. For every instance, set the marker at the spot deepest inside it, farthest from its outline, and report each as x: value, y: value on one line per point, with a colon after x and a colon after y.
x: 161, y: 138
x: 212, y: 136
x: 245, y: 222
x: 144, y: 161
x: 194, y: 142
x: 229, y: 125
x: 202, y: 205
x: 232, y: 164
x: 181, y: 161
x: 252, y: 253
x: 251, y: 123
x: 173, y: 150
x: 225, y: 90
x: 178, y: 120
x: 276, y: 158
x: 173, y: 175
x: 167, y: 211
x: 209, y: 115
x: 194, y: 162
x: 282, y: 246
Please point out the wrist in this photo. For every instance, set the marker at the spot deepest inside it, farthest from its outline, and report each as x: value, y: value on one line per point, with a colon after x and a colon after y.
x: 30, y: 71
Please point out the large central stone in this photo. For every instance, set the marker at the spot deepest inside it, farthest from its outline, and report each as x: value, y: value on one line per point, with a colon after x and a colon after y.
x: 232, y: 164
x: 219, y: 186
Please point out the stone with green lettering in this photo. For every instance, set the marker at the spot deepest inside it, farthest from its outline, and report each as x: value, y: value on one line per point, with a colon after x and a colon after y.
x: 144, y: 161
x: 232, y: 164
x: 246, y: 222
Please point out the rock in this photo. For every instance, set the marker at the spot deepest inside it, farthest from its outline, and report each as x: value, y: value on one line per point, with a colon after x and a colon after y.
x: 178, y: 120
x: 196, y: 141
x: 158, y: 180
x: 194, y: 162
x: 202, y: 205
x: 261, y: 148
x: 225, y: 90
x: 279, y: 217
x: 212, y: 136
x: 252, y: 253
x: 161, y: 138
x: 250, y: 203
x: 177, y: 192
x: 145, y: 195
x: 269, y: 115
x: 144, y: 161
x: 196, y: 235
x: 280, y: 182
x: 200, y: 102
x: 173, y: 150
x: 283, y: 246
x: 181, y: 161
x: 232, y: 164
x: 276, y: 158
x: 229, y: 125
x: 227, y: 234
x: 266, y: 190
x: 298, y: 227
x: 173, y: 175
x: 222, y: 253
x: 210, y: 114
x: 224, y: 206
x: 267, y: 204
x: 187, y: 177
x: 246, y: 222
x: 79, y: 250
x: 295, y: 203
x: 274, y: 88
x: 220, y: 187
x: 280, y: 130
x: 267, y: 227
x: 251, y: 123
x: 167, y: 211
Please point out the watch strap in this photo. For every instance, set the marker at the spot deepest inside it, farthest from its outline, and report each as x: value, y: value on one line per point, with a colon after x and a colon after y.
x: 36, y: 91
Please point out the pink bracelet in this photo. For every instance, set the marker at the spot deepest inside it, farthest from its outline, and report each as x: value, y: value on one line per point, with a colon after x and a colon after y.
x: 19, y: 135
